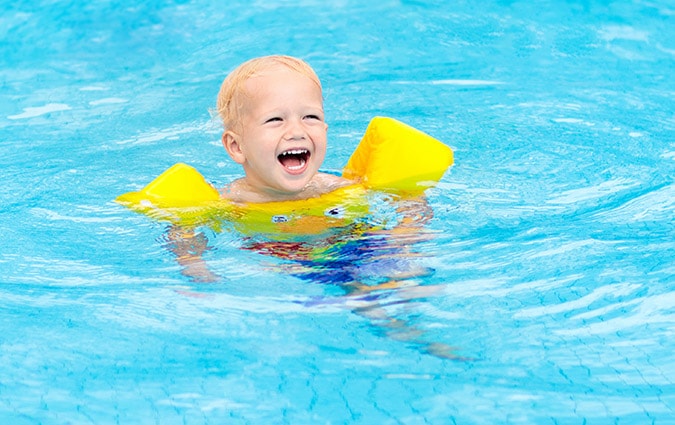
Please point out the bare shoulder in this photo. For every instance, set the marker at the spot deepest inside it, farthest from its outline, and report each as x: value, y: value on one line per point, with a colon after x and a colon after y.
x: 331, y: 182
x: 326, y: 183
x: 236, y: 191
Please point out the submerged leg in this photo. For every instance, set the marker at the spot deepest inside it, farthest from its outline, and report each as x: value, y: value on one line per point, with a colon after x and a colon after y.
x: 400, y: 329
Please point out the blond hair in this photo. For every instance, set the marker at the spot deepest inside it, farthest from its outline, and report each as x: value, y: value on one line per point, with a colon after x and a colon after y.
x: 229, y: 102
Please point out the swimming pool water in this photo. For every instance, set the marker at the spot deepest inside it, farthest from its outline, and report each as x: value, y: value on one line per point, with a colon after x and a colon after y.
x: 548, y: 263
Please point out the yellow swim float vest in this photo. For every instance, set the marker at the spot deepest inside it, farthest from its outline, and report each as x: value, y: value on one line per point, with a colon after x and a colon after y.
x: 391, y: 157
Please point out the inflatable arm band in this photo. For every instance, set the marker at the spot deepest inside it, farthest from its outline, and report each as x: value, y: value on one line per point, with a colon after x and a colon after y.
x: 391, y: 156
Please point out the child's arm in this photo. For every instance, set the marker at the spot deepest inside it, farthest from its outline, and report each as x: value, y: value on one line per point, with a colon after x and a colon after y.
x: 415, y: 213
x: 188, y: 246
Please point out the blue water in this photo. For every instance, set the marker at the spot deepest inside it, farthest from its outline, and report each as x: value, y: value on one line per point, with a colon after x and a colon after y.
x: 548, y: 264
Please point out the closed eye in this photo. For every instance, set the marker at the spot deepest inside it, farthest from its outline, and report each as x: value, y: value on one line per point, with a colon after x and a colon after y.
x: 274, y: 119
x: 313, y: 117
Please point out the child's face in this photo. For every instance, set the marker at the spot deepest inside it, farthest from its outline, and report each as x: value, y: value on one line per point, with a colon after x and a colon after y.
x: 281, y: 136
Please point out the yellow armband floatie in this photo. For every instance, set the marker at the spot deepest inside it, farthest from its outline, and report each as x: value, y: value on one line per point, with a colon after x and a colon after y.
x: 392, y: 157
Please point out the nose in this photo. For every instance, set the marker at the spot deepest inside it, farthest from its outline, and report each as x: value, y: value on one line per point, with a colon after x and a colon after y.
x: 295, y: 130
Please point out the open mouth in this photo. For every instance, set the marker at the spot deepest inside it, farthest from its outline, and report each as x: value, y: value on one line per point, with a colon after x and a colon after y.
x: 294, y: 159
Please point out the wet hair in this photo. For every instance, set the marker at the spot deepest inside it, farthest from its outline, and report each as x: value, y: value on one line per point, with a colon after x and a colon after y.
x: 229, y: 102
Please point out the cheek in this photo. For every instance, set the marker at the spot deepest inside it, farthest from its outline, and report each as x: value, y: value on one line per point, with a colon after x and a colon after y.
x: 256, y: 144
x: 320, y: 152
x: 320, y: 135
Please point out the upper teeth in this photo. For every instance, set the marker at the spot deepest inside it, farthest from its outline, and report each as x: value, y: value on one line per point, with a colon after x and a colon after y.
x: 295, y: 152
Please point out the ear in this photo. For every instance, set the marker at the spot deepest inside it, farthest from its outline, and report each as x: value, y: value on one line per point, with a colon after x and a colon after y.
x: 233, y: 147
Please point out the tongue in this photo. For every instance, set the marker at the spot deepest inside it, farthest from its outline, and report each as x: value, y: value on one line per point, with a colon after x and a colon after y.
x: 292, y: 161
